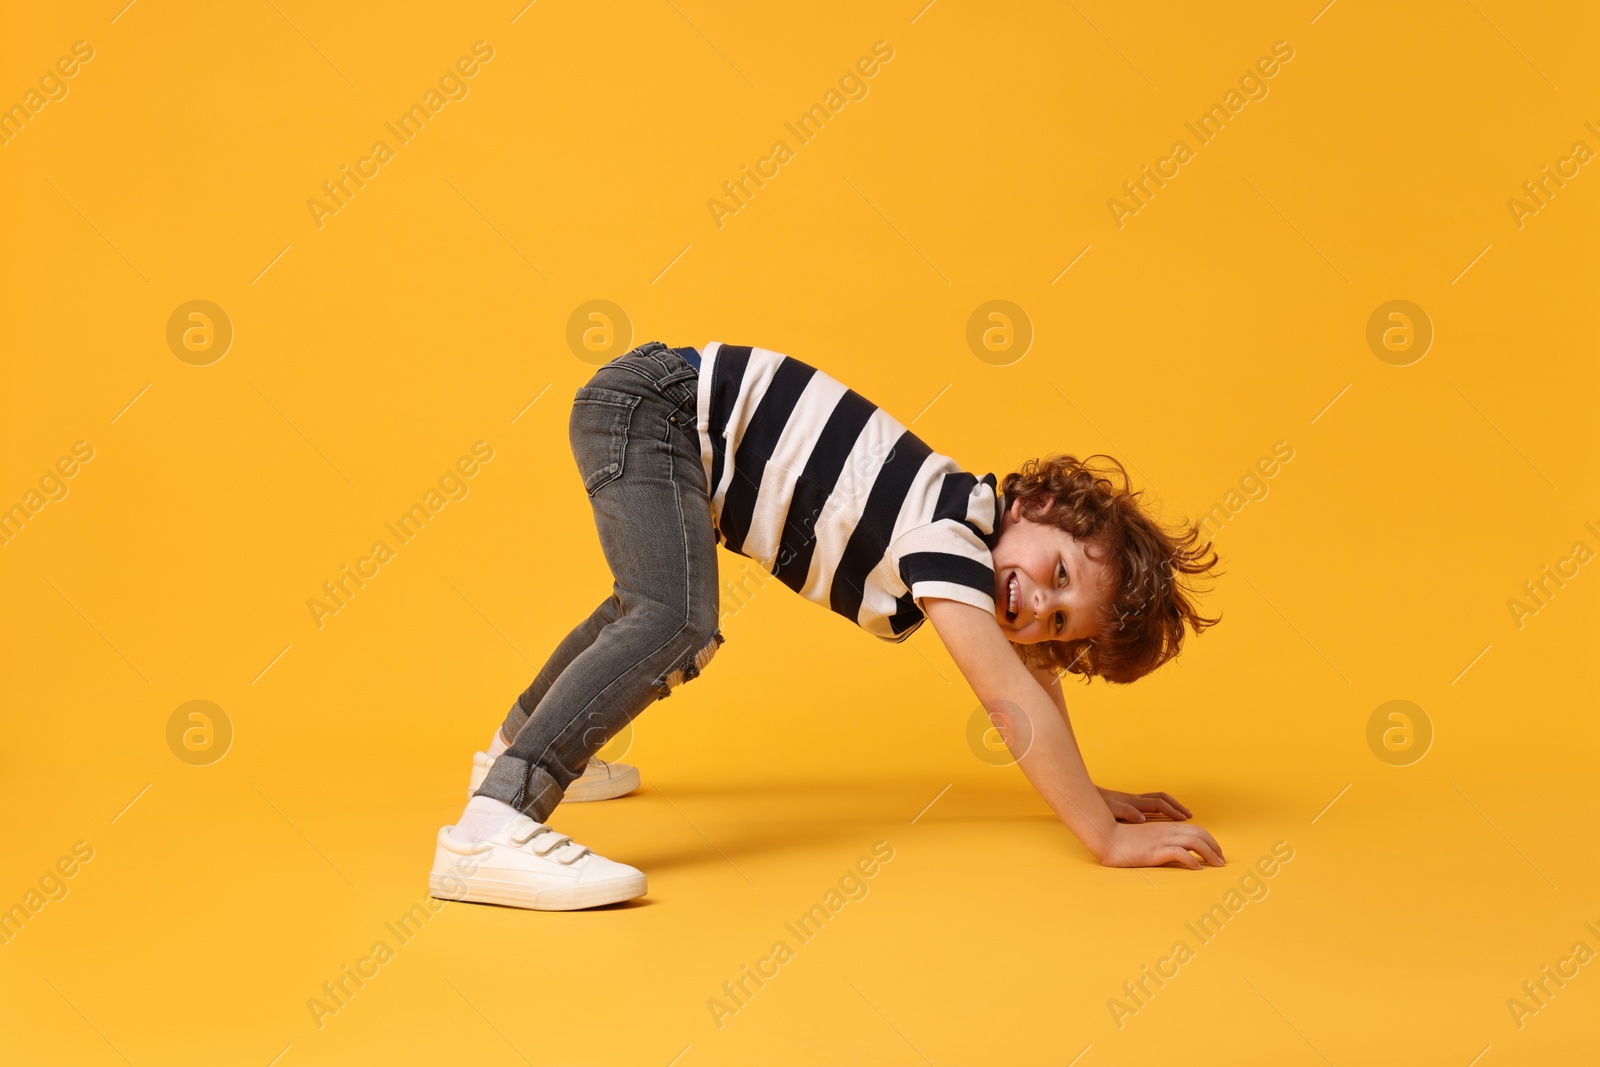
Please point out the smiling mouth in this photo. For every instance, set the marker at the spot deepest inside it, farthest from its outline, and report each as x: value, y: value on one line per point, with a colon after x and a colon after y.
x: 1013, y: 594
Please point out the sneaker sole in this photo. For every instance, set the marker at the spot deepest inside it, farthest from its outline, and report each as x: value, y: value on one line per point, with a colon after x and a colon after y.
x: 607, y: 789
x: 521, y: 895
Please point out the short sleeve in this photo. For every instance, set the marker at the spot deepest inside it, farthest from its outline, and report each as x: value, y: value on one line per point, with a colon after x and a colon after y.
x: 949, y: 556
x: 945, y: 559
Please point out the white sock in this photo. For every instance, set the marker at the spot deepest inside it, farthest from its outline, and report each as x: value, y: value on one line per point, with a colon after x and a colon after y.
x: 498, y: 745
x: 484, y: 817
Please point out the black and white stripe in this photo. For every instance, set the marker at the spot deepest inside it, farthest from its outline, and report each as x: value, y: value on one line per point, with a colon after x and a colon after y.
x: 837, y: 499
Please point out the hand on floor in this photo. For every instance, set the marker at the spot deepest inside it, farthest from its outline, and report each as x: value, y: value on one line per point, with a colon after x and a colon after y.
x: 1158, y: 843
x: 1132, y: 807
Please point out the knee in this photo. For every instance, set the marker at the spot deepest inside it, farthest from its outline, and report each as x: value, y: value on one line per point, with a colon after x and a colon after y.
x: 696, y: 644
x: 686, y: 640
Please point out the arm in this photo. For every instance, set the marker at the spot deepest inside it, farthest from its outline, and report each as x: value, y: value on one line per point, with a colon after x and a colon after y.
x: 1126, y: 807
x: 1050, y: 682
x: 1039, y: 734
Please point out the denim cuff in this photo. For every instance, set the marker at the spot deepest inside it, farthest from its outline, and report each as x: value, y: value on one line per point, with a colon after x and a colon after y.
x: 515, y: 718
x: 525, y: 786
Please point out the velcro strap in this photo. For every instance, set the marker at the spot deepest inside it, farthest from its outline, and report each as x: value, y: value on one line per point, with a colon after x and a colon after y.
x: 550, y: 840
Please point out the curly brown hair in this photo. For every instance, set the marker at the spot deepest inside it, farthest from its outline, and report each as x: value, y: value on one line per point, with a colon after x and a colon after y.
x: 1142, y: 626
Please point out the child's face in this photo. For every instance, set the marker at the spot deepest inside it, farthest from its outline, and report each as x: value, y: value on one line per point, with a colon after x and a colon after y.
x: 1060, y: 590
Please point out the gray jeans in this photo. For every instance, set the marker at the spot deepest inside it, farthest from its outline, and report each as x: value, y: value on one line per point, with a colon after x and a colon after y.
x: 633, y: 435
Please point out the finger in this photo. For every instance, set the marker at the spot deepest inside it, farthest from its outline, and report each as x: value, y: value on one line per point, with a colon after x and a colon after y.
x: 1174, y: 810
x: 1175, y: 802
x: 1168, y: 798
x: 1127, y: 813
x: 1212, y: 841
x: 1179, y: 854
x: 1161, y: 807
x: 1202, y: 838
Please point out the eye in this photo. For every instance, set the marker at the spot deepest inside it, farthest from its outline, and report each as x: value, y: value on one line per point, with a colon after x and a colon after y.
x: 1060, y: 618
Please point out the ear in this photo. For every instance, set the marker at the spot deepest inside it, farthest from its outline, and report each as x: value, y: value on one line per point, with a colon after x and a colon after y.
x: 1036, y: 506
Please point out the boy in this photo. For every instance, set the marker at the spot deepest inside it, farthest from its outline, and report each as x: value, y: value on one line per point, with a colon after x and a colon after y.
x: 680, y: 451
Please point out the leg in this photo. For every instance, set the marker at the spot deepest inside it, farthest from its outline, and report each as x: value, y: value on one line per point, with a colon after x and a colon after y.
x: 633, y: 437
x: 582, y: 636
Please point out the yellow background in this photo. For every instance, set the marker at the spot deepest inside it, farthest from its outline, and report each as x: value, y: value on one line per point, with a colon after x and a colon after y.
x: 427, y: 314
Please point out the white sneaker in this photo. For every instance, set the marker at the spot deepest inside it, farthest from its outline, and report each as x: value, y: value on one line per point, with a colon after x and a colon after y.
x: 529, y: 865
x: 600, y: 780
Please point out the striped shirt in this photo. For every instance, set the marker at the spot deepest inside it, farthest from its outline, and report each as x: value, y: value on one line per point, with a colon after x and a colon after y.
x: 837, y: 499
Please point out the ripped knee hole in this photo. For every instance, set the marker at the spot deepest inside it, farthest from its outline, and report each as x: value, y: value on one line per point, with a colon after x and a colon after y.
x: 691, y: 669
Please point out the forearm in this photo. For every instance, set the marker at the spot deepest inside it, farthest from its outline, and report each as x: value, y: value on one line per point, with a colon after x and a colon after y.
x: 1038, y: 731
x: 1035, y: 729
x: 1040, y: 735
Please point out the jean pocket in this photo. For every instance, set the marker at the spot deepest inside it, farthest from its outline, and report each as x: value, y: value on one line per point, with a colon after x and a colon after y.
x: 601, y: 419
